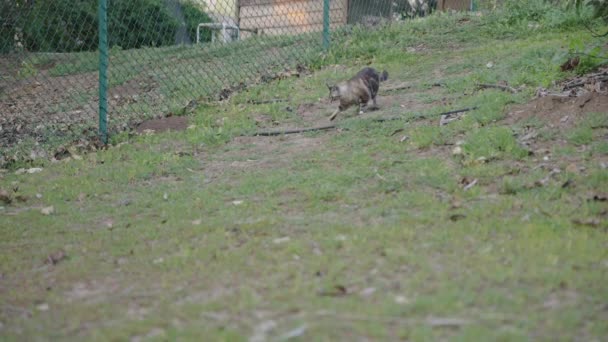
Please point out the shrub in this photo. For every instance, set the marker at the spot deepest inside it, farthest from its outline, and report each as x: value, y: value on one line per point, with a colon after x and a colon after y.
x: 72, y: 25
x: 195, y: 15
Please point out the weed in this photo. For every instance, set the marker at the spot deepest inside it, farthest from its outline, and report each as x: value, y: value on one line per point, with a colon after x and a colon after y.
x: 493, y: 142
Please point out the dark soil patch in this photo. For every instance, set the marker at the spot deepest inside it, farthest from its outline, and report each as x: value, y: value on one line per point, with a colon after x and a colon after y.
x: 559, y: 112
x: 171, y: 123
x: 247, y: 154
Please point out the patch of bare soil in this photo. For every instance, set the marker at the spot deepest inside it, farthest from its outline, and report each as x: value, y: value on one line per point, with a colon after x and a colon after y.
x: 63, y: 109
x: 171, y: 123
x: 560, y: 112
x: 261, y: 153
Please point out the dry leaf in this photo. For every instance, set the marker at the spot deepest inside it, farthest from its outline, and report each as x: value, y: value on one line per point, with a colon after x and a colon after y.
x: 5, y: 197
x: 457, y: 217
x: 470, y: 185
x: 55, y: 258
x: 47, y: 210
x: 367, y: 292
x: 281, y: 240
x: 336, y: 291
x: 590, y: 222
x: 401, y: 300
x: 43, y: 307
x: 297, y: 332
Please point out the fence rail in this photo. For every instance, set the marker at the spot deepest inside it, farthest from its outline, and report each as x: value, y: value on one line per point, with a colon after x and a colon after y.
x: 57, y: 80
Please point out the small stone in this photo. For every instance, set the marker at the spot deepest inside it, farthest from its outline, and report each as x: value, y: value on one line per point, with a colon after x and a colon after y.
x: 572, y: 168
x: 281, y: 240
x: 47, y: 210
x: 401, y: 300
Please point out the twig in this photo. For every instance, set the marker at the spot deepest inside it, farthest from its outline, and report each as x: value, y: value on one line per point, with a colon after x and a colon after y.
x: 399, y: 87
x: 497, y: 86
x: 458, y: 111
x: 430, y: 321
x: 328, y: 127
x: 293, y: 131
x: 266, y: 101
x: 582, y: 83
x: 593, y: 32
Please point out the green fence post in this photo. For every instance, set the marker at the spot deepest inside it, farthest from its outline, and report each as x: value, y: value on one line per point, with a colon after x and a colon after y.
x: 103, y: 70
x: 325, y: 25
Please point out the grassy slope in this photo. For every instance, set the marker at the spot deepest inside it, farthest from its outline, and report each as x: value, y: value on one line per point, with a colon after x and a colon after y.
x: 362, y: 212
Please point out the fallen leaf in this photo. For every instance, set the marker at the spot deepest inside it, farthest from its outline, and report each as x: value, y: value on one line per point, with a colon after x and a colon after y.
x: 261, y: 330
x: 398, y: 130
x: 590, y: 222
x: 446, y: 322
x: 43, y: 307
x: 81, y: 197
x: 490, y: 65
x: 367, y: 292
x: 570, y: 64
x: 165, y: 196
x: 470, y: 185
x: 572, y: 168
x: 457, y: 217
x: 158, y: 261
x: 5, y: 197
x: 55, y: 258
x: 336, y: 291
x: 299, y: 331
x: 404, y: 138
x: 457, y: 151
x: 34, y: 170
x: 401, y: 300
x: 237, y: 202
x: 281, y: 240
x: 38, y: 196
x: 47, y: 210
x: 197, y: 222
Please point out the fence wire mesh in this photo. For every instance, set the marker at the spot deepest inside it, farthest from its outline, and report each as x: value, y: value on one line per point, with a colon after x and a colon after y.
x: 164, y: 55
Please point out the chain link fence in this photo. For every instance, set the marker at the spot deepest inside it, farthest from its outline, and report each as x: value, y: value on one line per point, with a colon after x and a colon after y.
x: 163, y: 56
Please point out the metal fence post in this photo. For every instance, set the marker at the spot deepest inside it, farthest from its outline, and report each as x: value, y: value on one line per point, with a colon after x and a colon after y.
x: 103, y: 70
x: 325, y: 25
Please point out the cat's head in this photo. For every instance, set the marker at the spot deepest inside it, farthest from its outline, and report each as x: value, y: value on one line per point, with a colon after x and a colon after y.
x: 334, y: 92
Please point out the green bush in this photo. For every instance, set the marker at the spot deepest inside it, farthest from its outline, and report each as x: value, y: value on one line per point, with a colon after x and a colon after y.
x: 72, y: 25
x: 137, y: 23
x: 194, y: 15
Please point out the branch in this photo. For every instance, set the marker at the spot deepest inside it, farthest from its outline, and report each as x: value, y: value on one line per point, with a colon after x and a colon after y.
x: 593, y: 32
x: 399, y: 87
x: 293, y: 131
x: 266, y: 101
x: 328, y: 127
x: 497, y: 86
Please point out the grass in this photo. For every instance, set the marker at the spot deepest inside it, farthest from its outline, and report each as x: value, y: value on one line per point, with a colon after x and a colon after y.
x: 341, y: 234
